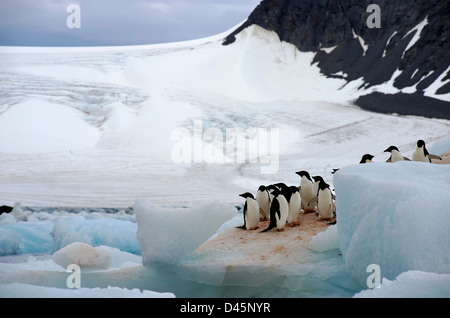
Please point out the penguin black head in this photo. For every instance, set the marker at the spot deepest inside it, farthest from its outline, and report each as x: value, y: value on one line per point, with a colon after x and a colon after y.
x: 391, y: 148
x: 293, y: 189
x: 366, y: 157
x: 262, y: 188
x: 420, y: 143
x: 247, y: 195
x: 323, y: 185
x: 304, y: 173
x: 281, y: 185
x: 317, y: 178
x: 271, y: 188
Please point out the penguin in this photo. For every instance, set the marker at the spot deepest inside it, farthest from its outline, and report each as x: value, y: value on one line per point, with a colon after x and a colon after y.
x: 279, y: 210
x: 421, y: 153
x: 271, y: 188
x: 317, y: 180
x: 263, y: 200
x: 366, y: 158
x: 325, y: 201
x: 280, y: 185
x: 251, y: 212
x: 306, y: 191
x: 395, y: 155
x: 295, y: 205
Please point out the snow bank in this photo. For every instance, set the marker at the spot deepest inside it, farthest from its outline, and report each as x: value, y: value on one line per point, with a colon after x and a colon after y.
x: 167, y: 235
x: 38, y: 126
x: 395, y: 216
x: 19, y: 290
x: 411, y: 284
x: 82, y: 254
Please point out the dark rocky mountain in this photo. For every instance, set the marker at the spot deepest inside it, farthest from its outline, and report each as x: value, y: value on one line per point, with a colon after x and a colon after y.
x: 312, y: 25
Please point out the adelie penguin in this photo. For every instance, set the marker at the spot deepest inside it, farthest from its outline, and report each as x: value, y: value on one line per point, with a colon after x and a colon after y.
x: 324, y: 201
x: 306, y: 191
x: 263, y: 200
x: 317, y: 180
x: 251, y: 212
x: 395, y: 155
x: 295, y: 206
x: 367, y: 158
x: 421, y: 153
x: 279, y: 210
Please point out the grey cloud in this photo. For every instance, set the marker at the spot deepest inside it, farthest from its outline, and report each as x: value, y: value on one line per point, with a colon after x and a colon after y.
x: 117, y: 22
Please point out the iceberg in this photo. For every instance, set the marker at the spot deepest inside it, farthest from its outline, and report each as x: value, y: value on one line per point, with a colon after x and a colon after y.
x: 167, y: 235
x: 394, y: 216
x: 101, y: 231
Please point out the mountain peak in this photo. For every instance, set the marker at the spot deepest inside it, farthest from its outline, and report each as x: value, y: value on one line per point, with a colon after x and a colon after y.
x: 409, y: 50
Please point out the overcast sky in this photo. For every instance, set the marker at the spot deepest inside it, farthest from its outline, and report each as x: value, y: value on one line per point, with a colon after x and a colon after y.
x: 117, y: 22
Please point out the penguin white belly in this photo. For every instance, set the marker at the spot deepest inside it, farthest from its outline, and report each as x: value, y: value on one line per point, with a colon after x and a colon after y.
x: 418, y: 155
x: 252, y: 215
x: 396, y: 156
x: 262, y: 197
x: 294, y: 207
x: 284, y: 211
x: 307, y: 194
x: 325, y: 204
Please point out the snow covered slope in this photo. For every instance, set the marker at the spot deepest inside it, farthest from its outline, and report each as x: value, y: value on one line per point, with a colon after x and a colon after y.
x: 100, y: 122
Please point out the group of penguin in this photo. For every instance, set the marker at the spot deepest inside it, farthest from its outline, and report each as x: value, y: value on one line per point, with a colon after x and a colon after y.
x: 281, y: 204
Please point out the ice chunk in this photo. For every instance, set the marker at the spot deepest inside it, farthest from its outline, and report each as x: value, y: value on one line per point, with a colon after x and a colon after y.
x: 18, y: 213
x: 19, y: 290
x: 10, y: 242
x: 327, y: 240
x: 395, y: 216
x: 102, y: 231
x: 168, y: 235
x: 35, y: 237
x: 415, y: 284
x: 84, y: 255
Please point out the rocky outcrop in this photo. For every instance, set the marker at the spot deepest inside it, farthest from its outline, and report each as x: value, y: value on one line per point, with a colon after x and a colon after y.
x: 411, y: 48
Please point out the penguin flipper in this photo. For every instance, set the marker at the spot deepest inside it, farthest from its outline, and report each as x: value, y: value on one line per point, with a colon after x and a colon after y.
x: 434, y: 157
x: 315, y: 199
x: 389, y: 160
x: 407, y: 159
x: 333, y: 196
x: 241, y: 227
